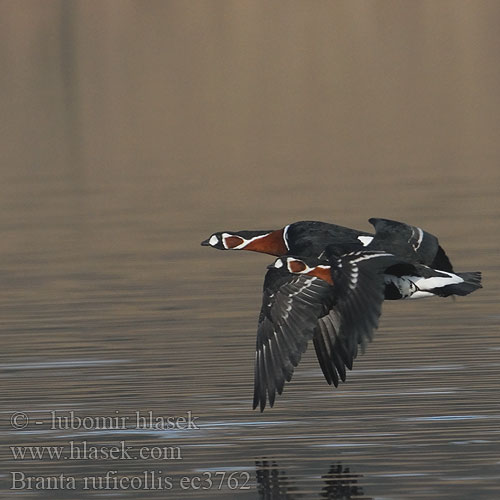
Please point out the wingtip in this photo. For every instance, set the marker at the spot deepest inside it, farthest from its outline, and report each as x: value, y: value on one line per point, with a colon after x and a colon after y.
x: 262, y: 404
x: 259, y: 402
x: 255, y: 401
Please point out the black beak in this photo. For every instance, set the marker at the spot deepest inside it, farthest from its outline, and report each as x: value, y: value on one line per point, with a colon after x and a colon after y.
x: 205, y: 243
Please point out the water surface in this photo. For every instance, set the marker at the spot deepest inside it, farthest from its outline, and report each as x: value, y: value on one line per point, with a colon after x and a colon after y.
x: 130, y: 134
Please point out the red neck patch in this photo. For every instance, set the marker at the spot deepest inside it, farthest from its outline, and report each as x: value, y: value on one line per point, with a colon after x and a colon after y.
x: 322, y: 273
x: 272, y: 243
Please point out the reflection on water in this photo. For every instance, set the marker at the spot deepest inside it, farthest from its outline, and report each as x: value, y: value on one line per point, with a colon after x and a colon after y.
x: 339, y: 483
x: 273, y: 483
x: 130, y: 131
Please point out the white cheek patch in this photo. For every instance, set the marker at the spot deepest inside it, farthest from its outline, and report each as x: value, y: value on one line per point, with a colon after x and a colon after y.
x: 213, y: 240
x: 366, y: 240
x: 278, y: 264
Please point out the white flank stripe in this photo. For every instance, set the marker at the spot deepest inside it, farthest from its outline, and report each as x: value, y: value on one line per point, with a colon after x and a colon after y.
x: 371, y: 256
x: 420, y: 295
x: 417, y: 287
x: 366, y: 240
x: 435, y: 281
x: 420, y: 238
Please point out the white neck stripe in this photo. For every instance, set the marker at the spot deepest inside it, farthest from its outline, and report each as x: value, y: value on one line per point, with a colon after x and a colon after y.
x: 241, y: 245
x: 285, y: 238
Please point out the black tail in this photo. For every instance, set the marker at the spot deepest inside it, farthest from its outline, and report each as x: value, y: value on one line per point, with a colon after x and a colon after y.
x: 472, y: 281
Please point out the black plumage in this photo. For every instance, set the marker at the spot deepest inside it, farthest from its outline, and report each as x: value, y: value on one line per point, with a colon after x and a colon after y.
x: 299, y: 307
x: 338, y: 309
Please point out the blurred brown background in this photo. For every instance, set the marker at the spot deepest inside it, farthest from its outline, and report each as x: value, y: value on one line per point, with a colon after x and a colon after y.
x: 131, y: 130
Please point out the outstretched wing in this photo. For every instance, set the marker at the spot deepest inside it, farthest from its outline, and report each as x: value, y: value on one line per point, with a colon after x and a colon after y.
x: 351, y: 321
x: 292, y: 304
x: 330, y: 350
x: 409, y: 242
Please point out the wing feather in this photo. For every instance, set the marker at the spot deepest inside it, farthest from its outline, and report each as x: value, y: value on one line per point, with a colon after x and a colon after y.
x: 291, y: 307
x: 353, y: 317
x: 410, y: 242
x: 340, y: 318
